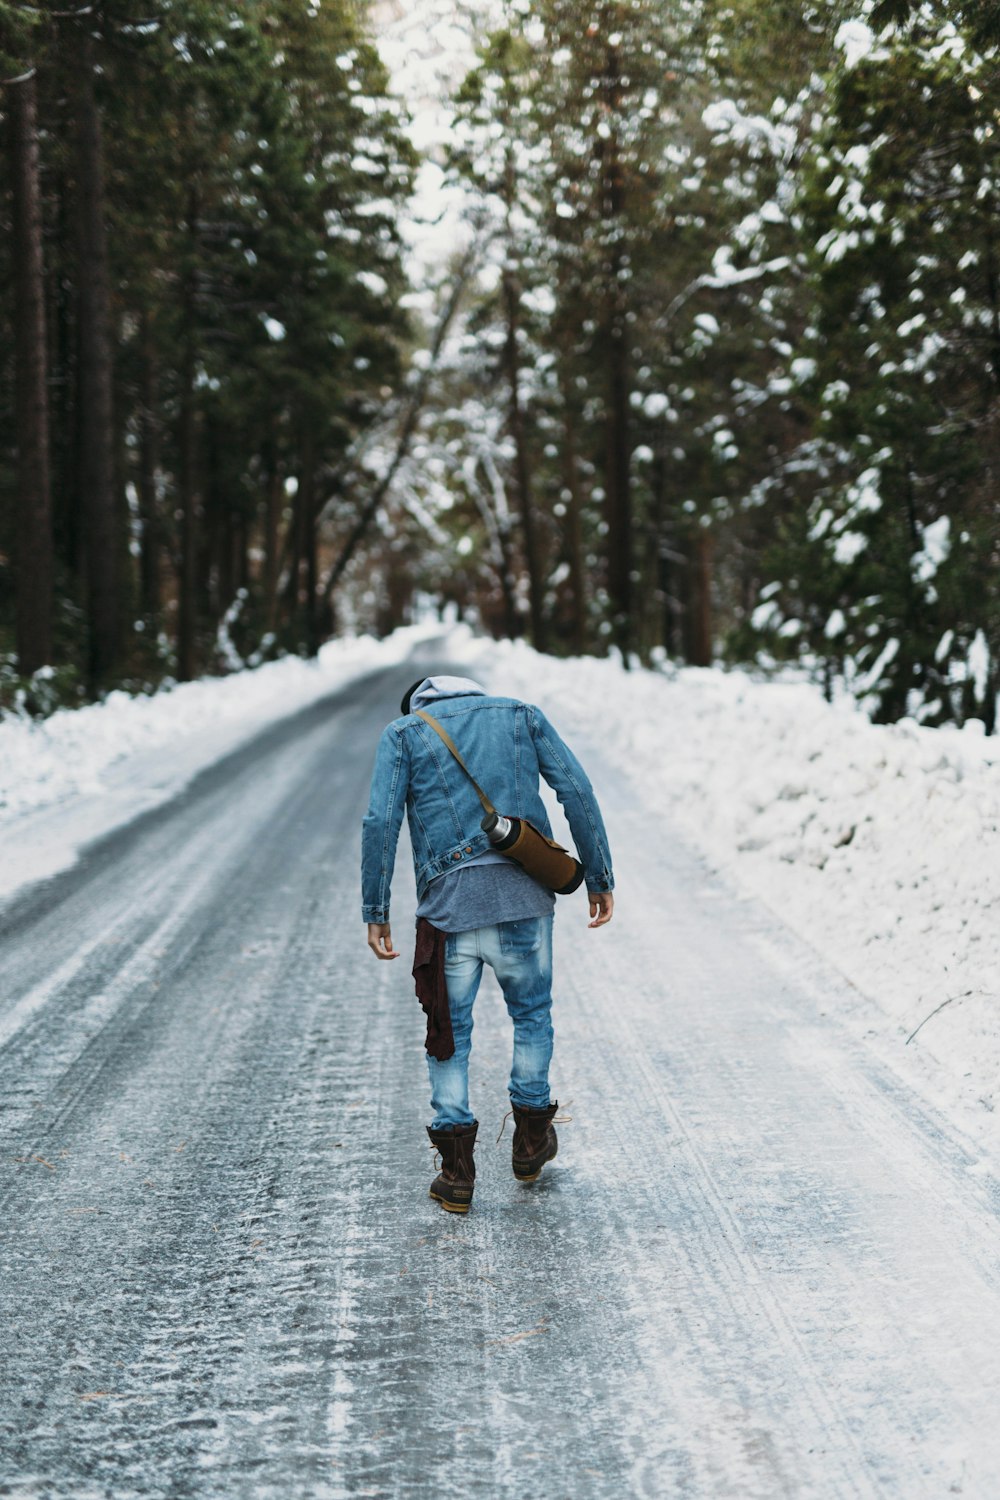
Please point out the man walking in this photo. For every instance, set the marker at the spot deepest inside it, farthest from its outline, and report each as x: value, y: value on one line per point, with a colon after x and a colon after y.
x: 475, y: 905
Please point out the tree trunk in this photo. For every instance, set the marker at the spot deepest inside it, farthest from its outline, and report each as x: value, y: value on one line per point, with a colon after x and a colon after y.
x: 989, y: 707
x: 619, y: 497
x: 522, y: 469
x: 219, y: 587
x: 295, y: 551
x: 94, y: 376
x: 399, y: 589
x: 618, y: 454
x: 496, y: 518
x: 701, y: 600
x: 34, y: 497
x: 187, y: 597
x: 505, y: 574
x: 64, y: 444
x: 189, y: 472
x: 241, y: 553
x: 665, y: 626
x: 148, y: 477
x: 225, y: 529
x: 993, y: 294
x: 574, y: 529
x: 310, y: 543
x: 274, y: 498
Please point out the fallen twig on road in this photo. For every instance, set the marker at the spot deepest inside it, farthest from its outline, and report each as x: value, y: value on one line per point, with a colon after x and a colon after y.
x: 964, y: 995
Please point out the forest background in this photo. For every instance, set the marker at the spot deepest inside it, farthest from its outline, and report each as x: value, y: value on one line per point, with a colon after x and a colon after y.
x: 702, y: 363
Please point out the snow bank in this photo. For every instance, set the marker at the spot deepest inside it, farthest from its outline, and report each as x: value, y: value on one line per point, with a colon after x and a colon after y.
x: 879, y: 844
x: 78, y: 774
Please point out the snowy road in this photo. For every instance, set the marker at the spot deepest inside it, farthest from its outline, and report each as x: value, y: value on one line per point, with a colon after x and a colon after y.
x: 758, y: 1268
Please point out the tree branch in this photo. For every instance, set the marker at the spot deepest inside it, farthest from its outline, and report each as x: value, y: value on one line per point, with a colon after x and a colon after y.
x: 963, y: 996
x: 411, y: 415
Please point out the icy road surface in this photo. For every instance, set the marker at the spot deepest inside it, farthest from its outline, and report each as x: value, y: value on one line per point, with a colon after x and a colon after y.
x: 759, y: 1267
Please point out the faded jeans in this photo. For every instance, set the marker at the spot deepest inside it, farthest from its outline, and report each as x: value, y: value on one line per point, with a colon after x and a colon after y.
x: 520, y: 955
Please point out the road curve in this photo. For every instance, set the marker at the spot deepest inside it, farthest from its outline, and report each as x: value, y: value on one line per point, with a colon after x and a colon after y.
x: 759, y: 1267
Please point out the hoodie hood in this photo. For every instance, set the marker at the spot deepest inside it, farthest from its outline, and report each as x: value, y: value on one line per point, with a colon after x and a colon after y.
x: 433, y: 689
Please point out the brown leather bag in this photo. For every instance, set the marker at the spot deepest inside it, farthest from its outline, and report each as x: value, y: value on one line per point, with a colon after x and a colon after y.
x: 541, y: 857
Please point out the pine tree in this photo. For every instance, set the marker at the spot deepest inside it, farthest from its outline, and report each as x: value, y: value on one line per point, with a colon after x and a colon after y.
x: 895, y: 556
x: 224, y: 283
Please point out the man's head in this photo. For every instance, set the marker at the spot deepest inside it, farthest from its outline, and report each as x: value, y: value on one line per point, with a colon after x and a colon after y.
x: 404, y: 707
x: 426, y: 689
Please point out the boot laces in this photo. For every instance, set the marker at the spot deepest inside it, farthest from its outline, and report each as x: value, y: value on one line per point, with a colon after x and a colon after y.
x: 556, y: 1120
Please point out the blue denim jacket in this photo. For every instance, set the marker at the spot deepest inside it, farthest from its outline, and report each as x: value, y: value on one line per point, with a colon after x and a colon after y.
x: 506, y: 745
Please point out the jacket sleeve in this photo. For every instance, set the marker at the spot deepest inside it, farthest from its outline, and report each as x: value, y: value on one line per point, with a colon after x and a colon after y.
x: 569, y: 781
x: 381, y: 824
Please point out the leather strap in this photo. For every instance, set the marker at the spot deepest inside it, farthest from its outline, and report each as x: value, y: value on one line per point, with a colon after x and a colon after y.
x: 487, y: 804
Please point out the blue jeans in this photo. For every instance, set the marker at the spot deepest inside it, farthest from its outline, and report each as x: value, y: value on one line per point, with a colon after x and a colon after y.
x: 520, y: 955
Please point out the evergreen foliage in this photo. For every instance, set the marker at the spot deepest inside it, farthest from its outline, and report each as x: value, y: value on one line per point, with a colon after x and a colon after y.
x: 753, y: 247
x: 244, y: 181
x: 712, y: 374
x: 891, y: 567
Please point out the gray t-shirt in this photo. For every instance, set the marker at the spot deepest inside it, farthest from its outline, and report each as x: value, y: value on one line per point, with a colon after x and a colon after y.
x: 489, y: 889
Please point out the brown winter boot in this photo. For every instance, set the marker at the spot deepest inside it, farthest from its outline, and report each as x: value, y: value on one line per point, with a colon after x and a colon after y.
x: 535, y: 1141
x: 453, y: 1185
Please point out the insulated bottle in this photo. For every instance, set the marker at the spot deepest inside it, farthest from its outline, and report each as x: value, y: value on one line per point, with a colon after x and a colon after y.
x: 502, y: 832
x: 544, y: 859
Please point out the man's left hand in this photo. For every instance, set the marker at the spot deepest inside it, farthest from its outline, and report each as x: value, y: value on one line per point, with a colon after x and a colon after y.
x: 380, y: 940
x: 602, y: 907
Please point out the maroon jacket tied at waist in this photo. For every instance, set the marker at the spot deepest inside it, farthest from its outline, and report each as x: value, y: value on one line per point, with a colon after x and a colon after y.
x: 432, y: 989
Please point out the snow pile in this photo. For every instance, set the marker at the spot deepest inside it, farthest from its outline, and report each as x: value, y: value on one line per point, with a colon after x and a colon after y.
x: 879, y: 844
x: 78, y: 774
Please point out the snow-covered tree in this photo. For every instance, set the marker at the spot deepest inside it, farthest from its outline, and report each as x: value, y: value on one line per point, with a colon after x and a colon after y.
x: 891, y: 568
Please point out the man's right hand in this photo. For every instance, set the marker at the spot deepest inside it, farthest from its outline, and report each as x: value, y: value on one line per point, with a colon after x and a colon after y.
x: 602, y: 906
x: 380, y: 940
